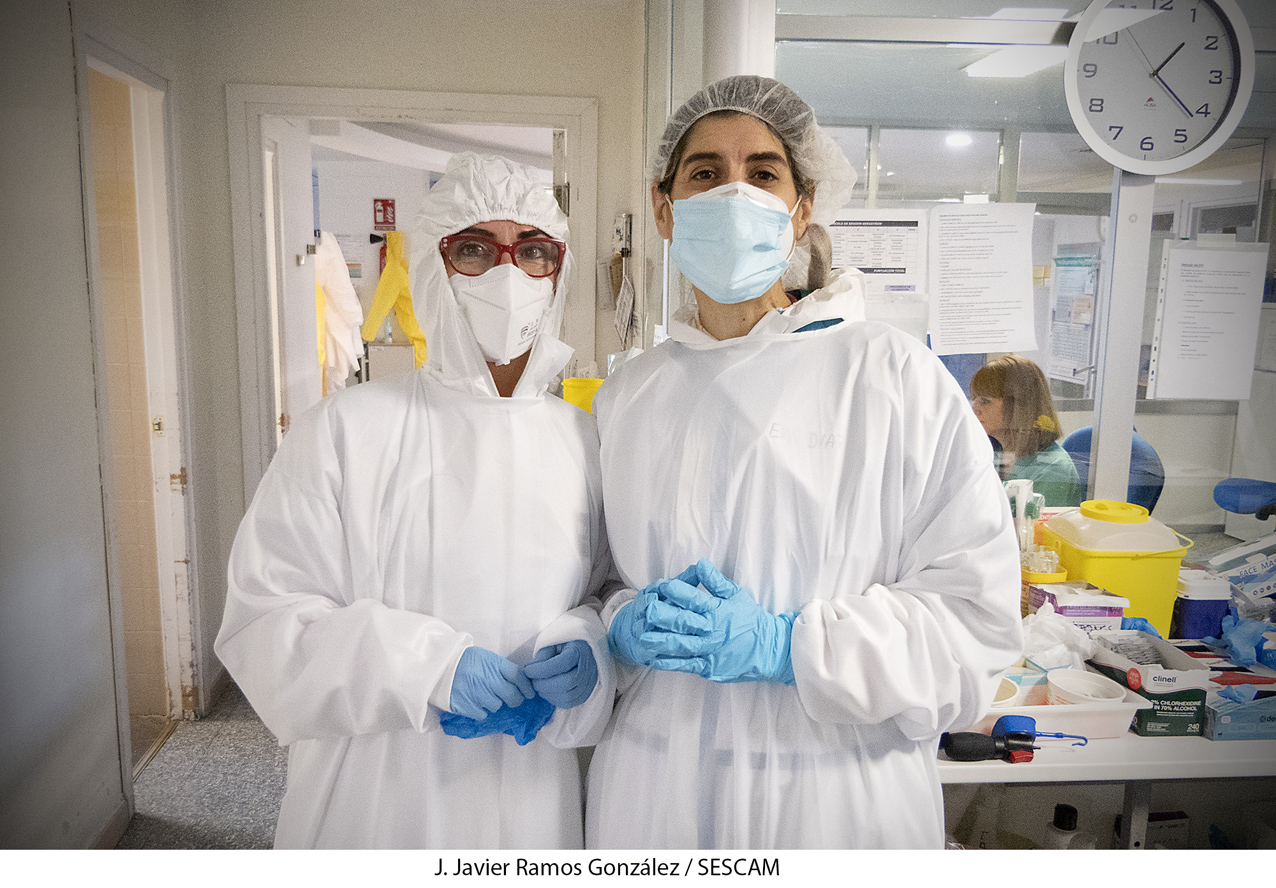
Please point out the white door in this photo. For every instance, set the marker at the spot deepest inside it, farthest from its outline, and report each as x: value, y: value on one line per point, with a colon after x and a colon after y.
x: 289, y: 200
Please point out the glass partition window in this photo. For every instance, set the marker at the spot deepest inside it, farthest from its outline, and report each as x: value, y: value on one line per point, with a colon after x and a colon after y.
x: 919, y: 164
x: 853, y: 140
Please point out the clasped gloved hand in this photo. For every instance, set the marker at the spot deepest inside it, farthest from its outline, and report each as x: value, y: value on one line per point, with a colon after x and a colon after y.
x: 632, y: 639
x: 719, y: 632
x: 564, y: 674
x: 484, y: 682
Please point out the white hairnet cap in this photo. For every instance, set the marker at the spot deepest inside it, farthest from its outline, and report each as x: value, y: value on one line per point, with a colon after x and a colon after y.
x: 815, y: 155
x: 480, y: 188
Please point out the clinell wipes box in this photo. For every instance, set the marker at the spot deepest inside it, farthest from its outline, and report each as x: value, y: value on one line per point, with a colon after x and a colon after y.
x: 1174, y: 682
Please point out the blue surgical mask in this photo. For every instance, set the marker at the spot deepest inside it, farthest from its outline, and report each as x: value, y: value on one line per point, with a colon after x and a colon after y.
x: 732, y: 242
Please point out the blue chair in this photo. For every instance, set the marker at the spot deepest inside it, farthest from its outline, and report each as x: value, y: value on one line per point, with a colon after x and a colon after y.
x: 1147, y: 475
x: 1246, y: 496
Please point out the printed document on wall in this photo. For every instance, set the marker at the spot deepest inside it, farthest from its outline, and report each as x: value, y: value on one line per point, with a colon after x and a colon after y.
x: 888, y: 246
x: 1208, y: 314
x: 981, y: 278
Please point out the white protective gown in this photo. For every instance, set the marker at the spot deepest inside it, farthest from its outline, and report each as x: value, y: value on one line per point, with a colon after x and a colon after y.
x: 839, y: 473
x: 400, y: 522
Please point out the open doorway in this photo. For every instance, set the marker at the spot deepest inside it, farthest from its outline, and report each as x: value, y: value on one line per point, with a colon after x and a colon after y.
x: 346, y: 186
x: 144, y: 482
x: 267, y: 122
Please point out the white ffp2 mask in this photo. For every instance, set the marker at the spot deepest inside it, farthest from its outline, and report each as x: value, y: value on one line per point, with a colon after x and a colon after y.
x: 504, y: 306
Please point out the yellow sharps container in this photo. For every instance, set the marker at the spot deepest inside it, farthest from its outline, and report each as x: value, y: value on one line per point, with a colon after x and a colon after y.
x: 579, y: 390
x: 1120, y: 547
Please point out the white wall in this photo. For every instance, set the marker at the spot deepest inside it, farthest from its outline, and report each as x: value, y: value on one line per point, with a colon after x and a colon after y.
x: 60, y: 775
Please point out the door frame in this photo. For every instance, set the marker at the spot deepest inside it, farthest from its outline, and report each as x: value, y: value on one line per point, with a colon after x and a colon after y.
x: 246, y: 104
x: 167, y: 372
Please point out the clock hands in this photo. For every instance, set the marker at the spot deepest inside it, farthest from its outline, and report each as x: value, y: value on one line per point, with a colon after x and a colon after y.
x: 1157, y: 69
x: 1156, y: 72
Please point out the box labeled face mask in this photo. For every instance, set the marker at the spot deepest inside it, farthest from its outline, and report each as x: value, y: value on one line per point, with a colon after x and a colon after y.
x: 1250, y: 567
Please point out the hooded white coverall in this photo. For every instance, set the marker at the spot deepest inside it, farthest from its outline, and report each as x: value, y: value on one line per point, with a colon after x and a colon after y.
x: 400, y: 522
x: 839, y: 473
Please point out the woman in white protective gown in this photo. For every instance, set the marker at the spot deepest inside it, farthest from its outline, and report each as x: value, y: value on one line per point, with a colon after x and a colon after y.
x: 822, y: 572
x: 412, y: 602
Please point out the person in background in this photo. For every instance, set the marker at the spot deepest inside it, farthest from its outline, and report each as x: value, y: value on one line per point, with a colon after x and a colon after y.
x: 1011, y: 399
x: 822, y: 573
x: 412, y: 593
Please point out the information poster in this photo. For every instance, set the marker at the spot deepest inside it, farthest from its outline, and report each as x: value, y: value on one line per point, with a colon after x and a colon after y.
x: 1209, y: 308
x: 888, y: 246
x: 980, y: 278
x: 1075, y: 283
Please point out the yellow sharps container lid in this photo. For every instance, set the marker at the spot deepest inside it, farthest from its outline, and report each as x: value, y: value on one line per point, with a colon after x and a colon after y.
x: 1114, y: 511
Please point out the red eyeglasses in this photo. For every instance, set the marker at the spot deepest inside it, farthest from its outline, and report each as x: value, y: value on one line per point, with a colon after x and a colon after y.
x: 472, y: 255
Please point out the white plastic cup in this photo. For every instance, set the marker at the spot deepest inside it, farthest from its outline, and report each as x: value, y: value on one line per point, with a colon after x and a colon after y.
x: 1073, y: 686
x: 1008, y: 694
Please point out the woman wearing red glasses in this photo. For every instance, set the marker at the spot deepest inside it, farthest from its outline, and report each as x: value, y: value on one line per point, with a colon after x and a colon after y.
x: 412, y: 595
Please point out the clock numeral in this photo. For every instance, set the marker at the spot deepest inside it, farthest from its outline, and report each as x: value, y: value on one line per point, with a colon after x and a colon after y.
x: 1096, y: 106
x: 1180, y: 136
x: 1211, y: 43
x: 1090, y: 69
x: 1193, y: 15
x: 1117, y: 133
x: 1203, y: 111
x: 1147, y: 144
x: 1109, y: 39
x: 1216, y: 77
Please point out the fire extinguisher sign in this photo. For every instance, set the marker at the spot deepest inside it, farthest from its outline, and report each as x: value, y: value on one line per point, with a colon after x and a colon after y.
x: 383, y: 214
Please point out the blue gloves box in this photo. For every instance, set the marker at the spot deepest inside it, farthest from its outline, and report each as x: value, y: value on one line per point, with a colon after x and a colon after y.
x: 1227, y: 719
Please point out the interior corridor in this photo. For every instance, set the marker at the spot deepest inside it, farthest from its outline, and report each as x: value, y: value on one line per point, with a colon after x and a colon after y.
x: 216, y: 783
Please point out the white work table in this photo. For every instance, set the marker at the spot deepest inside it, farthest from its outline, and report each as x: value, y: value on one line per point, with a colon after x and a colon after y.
x: 1132, y: 760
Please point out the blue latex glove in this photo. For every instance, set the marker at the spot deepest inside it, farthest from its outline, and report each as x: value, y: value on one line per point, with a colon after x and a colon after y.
x: 564, y: 674
x: 520, y: 722
x: 1139, y: 623
x: 632, y: 639
x: 484, y: 681
x: 722, y: 634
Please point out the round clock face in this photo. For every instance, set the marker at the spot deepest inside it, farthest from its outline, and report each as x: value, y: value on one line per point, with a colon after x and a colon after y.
x: 1163, y: 84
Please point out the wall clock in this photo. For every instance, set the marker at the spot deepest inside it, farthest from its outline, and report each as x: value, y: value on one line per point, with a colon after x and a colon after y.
x: 1157, y: 86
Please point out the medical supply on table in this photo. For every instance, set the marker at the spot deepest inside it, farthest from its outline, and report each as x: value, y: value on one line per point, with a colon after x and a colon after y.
x: 1074, y: 686
x: 1027, y: 724
x: 1251, y: 568
x: 969, y: 746
x: 1062, y: 833
x: 1173, y: 681
x: 1083, y: 604
x: 1051, y: 641
x: 1247, y: 642
x: 1200, y: 605
x: 1119, y: 547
